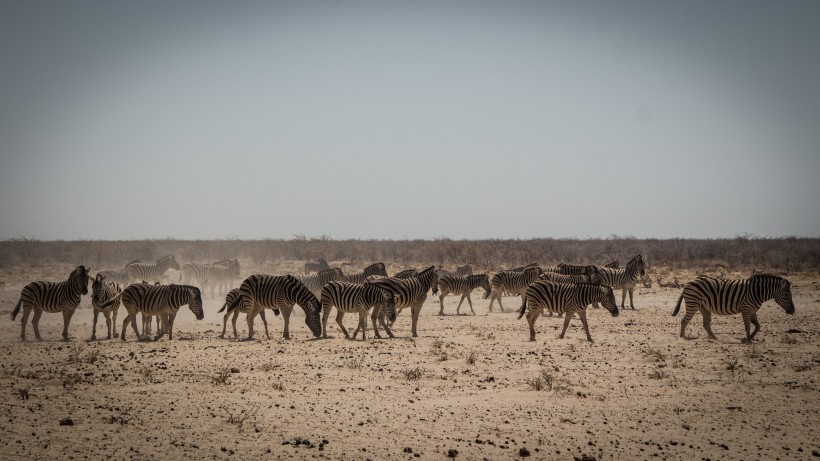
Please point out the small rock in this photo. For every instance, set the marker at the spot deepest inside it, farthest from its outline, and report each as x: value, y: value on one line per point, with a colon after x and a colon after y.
x: 234, y: 370
x: 66, y: 422
x: 523, y: 452
x: 408, y: 450
x: 452, y: 452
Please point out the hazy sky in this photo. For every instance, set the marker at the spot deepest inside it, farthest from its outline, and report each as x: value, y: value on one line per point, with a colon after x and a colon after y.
x: 200, y: 120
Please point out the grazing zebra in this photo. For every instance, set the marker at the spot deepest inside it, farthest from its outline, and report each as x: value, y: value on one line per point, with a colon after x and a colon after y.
x: 52, y: 297
x: 240, y: 309
x: 565, y: 298
x: 361, y: 277
x: 315, y: 282
x: 462, y: 286
x: 102, y: 291
x: 355, y: 298
x: 410, y: 292
x: 151, y: 272
x: 120, y: 277
x: 278, y: 292
x: 406, y: 274
x: 163, y: 301
x: 512, y: 282
x: 728, y: 297
x: 625, y: 278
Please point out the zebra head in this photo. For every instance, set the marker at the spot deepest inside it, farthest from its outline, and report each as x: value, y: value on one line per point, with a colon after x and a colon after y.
x: 389, y: 305
x: 79, y: 279
x: 195, y: 302
x: 97, y: 292
x: 233, y: 268
x: 637, y: 261
x: 313, y: 311
x: 485, y: 283
x: 783, y: 296
x: 594, y: 275
x: 170, y: 261
x: 609, y: 301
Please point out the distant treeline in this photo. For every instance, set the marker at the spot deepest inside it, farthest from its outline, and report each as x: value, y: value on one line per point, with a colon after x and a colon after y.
x: 736, y: 254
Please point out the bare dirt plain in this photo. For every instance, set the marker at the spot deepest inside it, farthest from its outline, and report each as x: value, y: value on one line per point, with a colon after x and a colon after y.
x: 637, y: 392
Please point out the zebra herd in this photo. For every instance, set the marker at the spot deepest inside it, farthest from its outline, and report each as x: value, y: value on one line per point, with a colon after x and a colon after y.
x: 565, y: 289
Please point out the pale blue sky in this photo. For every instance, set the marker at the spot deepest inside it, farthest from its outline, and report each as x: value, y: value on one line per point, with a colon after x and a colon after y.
x: 200, y: 120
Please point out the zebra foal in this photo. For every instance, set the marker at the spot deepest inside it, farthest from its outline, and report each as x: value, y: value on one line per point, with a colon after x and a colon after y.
x: 52, y: 297
x: 356, y: 298
x: 103, y: 291
x: 232, y: 296
x: 566, y: 299
x: 162, y: 301
x: 728, y: 297
x: 462, y: 286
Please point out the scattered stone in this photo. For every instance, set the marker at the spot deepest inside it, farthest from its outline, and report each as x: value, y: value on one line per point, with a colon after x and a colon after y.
x: 66, y: 422
x: 523, y: 452
x: 408, y: 450
x: 234, y: 370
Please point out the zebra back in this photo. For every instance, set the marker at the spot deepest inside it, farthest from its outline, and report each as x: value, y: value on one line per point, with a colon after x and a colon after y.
x: 350, y: 297
x: 727, y: 297
x: 361, y: 277
x: 523, y: 268
x: 410, y: 291
x: 464, y: 285
x: 278, y: 292
x: 572, y: 269
x: 464, y: 271
x: 566, y: 298
x: 102, y: 291
x: 55, y: 296
x: 407, y: 273
x: 514, y: 282
x: 563, y: 278
x: 158, y: 299
x: 152, y: 272
x: 619, y: 278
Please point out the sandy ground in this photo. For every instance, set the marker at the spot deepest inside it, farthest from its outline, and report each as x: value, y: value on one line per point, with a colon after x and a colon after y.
x: 637, y: 392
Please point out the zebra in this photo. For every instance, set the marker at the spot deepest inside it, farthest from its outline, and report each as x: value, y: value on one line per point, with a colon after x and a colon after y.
x: 101, y: 291
x: 462, y: 286
x: 406, y: 274
x: 52, y: 297
x: 163, y: 301
x: 151, y: 272
x: 219, y: 275
x: 728, y: 297
x: 625, y: 278
x: 120, y: 277
x: 572, y: 269
x: 512, y: 282
x: 278, y: 292
x: 240, y: 309
x: 565, y: 298
x: 314, y: 282
x: 353, y: 297
x: 361, y: 277
x: 410, y: 292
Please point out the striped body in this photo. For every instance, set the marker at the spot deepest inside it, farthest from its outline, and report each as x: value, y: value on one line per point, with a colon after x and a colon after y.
x: 563, y: 278
x: 564, y: 298
x: 356, y: 298
x: 624, y: 279
x: 361, y: 277
x: 462, y: 286
x: 410, y: 292
x: 406, y: 274
x: 278, y: 292
x: 103, y: 291
x: 163, y: 301
x: 572, y: 269
x: 728, y: 297
x: 240, y: 308
x: 120, y: 277
x: 151, y: 272
x: 315, y: 282
x: 218, y: 276
x: 513, y: 282
x: 52, y: 297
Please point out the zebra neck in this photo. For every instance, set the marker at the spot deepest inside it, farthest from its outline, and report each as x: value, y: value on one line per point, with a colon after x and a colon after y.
x: 760, y: 291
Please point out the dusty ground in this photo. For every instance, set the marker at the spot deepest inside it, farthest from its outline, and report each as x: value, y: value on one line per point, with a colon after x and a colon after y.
x: 637, y: 392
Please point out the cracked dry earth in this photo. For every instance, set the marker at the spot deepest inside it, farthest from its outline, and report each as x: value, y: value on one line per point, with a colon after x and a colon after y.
x: 469, y: 387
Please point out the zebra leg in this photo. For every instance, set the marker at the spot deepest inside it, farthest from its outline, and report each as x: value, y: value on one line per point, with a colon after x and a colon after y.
x: 583, y: 315
x: 631, y: 290
x: 24, y: 320
x: 225, y: 322
x: 233, y: 322
x: 286, y: 317
x: 67, y: 314
x: 341, y: 315
x: 107, y: 323
x: 416, y: 310
x: 325, y: 318
x: 756, y: 324
x: 362, y: 324
x: 470, y: 301
x: 531, y: 318
x: 567, y: 318
x: 493, y: 295
x: 441, y: 301
x: 170, y: 326
x: 707, y: 322
x: 264, y: 322
x: 690, y: 312
x: 623, y: 297
x: 747, y: 318
x: 114, y: 320
x: 251, y: 314
x: 384, y: 325
x: 94, y: 328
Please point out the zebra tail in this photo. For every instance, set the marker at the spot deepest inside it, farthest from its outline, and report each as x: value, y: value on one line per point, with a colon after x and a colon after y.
x: 233, y: 305
x: 677, y: 306
x: 523, y: 307
x: 17, y: 308
x: 111, y: 301
x: 223, y: 308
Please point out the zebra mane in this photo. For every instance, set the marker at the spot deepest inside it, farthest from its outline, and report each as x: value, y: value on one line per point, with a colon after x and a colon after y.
x: 764, y: 276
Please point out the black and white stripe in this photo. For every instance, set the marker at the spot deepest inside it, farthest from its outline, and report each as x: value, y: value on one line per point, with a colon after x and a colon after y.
x: 566, y: 299
x: 462, y: 286
x: 356, y: 298
x: 361, y: 277
x: 513, y: 282
x: 240, y: 308
x: 120, y: 277
x: 278, y: 292
x: 103, y: 291
x: 728, y: 297
x: 151, y: 272
x: 406, y: 274
x: 316, y: 281
x: 624, y: 279
x: 52, y: 297
x: 163, y: 301
x: 410, y: 292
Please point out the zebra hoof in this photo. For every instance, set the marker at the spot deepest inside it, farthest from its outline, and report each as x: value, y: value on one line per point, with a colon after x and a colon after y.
x: 532, y: 338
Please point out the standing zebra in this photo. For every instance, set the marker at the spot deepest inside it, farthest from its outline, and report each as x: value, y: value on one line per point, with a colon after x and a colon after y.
x: 316, y: 281
x: 52, y: 297
x: 101, y: 292
x: 625, y: 278
x: 352, y: 297
x: 410, y: 292
x: 361, y: 277
x: 278, y: 292
x: 240, y: 309
x: 120, y: 277
x: 567, y: 299
x: 512, y: 282
x: 163, y: 301
x: 151, y: 272
x: 462, y: 286
x: 728, y: 297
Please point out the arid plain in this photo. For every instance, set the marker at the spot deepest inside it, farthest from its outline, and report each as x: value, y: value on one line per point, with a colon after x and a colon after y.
x: 469, y: 387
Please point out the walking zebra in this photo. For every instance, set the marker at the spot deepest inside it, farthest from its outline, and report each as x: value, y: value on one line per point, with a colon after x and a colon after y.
x: 511, y: 282
x: 316, y: 281
x: 120, y: 277
x: 462, y: 286
x: 406, y: 274
x: 361, y: 277
x: 728, y: 297
x: 566, y: 299
x: 410, y: 292
x: 240, y: 309
x: 278, y: 292
x: 163, y: 301
x: 101, y: 292
x: 355, y: 298
x: 625, y: 278
x: 151, y: 272
x: 52, y: 297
